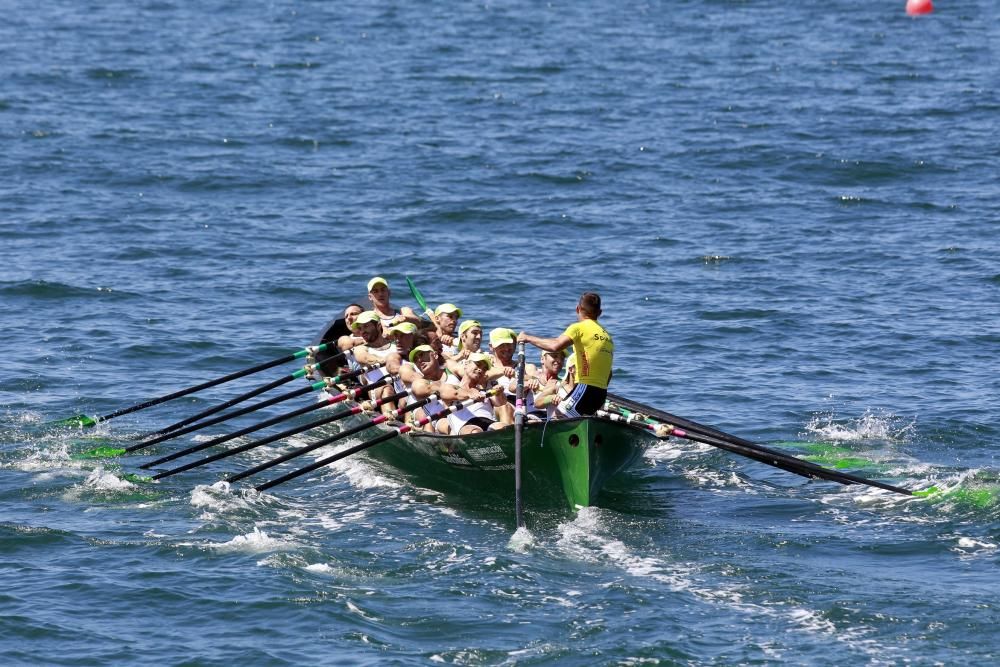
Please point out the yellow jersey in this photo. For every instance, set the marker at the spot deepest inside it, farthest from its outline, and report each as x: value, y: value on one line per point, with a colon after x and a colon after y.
x: 593, y: 352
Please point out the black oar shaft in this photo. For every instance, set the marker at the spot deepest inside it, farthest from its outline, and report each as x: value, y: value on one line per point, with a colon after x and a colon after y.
x: 426, y: 419
x: 226, y: 404
x: 759, y: 452
x: 221, y: 418
x: 518, y: 430
x: 333, y: 458
x: 326, y: 441
x: 212, y: 383
x: 790, y: 463
x: 244, y: 431
x: 686, y: 424
x: 315, y: 386
x: 273, y: 438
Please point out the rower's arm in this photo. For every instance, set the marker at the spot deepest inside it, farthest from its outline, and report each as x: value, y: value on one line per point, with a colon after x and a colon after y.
x: 421, y: 388
x: 407, y: 314
x: 393, y: 363
x: 346, y: 343
x: 408, y: 374
x: 548, y: 344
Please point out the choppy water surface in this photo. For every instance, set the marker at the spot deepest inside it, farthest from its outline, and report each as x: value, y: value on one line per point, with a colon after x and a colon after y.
x: 789, y: 208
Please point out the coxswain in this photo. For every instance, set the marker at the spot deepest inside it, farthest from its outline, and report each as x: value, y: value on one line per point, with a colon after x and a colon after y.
x: 593, y: 354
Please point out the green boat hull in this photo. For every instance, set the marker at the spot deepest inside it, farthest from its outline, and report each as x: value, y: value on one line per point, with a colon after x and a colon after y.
x: 565, y: 462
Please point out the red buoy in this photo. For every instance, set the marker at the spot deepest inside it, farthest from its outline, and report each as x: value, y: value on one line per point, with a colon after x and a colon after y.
x: 918, y: 7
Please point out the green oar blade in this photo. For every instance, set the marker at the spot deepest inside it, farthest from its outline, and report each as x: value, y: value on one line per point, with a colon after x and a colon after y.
x: 100, y: 453
x: 79, y: 421
x: 417, y: 295
x: 977, y: 497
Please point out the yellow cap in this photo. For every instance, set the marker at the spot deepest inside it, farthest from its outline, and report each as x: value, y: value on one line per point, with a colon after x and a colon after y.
x: 377, y: 280
x: 418, y: 350
x: 364, y: 318
x: 501, y: 336
x: 468, y: 324
x: 404, y: 328
x: 448, y: 308
x: 477, y: 357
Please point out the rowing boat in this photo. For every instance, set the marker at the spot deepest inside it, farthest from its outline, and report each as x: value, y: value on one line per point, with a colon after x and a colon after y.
x: 564, y: 462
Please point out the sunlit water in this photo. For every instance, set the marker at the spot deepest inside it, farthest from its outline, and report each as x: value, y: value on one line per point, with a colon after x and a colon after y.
x: 789, y: 209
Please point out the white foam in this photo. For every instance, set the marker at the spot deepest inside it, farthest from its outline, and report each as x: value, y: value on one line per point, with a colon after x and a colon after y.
x: 968, y: 542
x: 256, y: 541
x: 674, y: 449
x: 360, y: 473
x: 103, y: 480
x: 354, y: 609
x: 521, y: 541
x: 50, y: 457
x: 871, y: 425
x: 218, y: 497
x: 26, y: 418
x: 319, y: 568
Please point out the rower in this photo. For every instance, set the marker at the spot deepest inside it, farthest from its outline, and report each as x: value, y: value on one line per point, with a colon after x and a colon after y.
x: 402, y: 336
x: 541, y: 402
x: 593, y: 354
x: 470, y: 337
x: 503, y: 368
x: 379, y: 294
x: 446, y: 320
x: 424, y: 375
x: 481, y: 415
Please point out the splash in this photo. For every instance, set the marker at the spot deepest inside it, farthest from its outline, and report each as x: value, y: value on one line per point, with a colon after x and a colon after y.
x: 217, y: 497
x: 256, y: 541
x: 521, y: 541
x: 872, y: 425
x: 104, y: 480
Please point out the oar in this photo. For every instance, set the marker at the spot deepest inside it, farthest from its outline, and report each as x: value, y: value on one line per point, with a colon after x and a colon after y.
x: 756, y: 452
x: 332, y: 400
x: 399, y: 430
x: 301, y: 373
x: 353, y: 410
x: 687, y: 424
x: 86, y: 422
x: 395, y: 414
x: 315, y: 386
x: 518, y: 430
x: 420, y: 300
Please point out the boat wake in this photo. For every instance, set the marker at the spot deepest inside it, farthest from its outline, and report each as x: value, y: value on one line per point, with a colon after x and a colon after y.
x: 590, y: 537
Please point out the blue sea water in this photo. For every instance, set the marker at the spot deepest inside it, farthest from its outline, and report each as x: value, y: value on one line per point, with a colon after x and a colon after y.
x: 790, y: 210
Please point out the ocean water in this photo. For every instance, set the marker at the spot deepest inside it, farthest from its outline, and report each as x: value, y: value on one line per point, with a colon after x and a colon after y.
x: 790, y: 210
